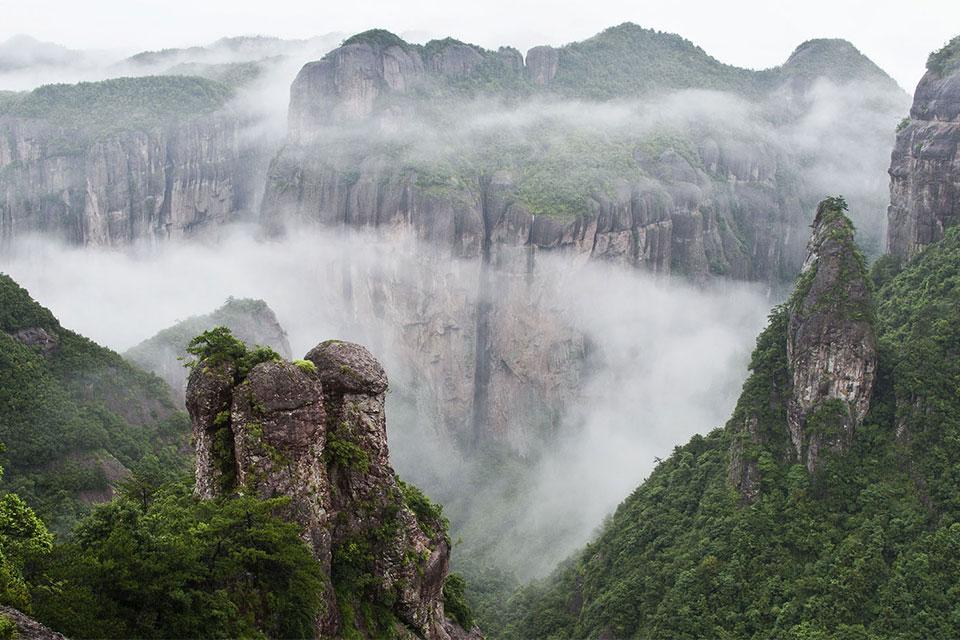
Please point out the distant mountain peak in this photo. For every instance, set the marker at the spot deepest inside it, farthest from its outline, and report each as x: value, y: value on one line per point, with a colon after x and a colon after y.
x: 833, y: 58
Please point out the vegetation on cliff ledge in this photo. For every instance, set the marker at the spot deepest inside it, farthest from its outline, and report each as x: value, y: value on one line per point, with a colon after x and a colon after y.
x: 158, y: 563
x: 945, y: 60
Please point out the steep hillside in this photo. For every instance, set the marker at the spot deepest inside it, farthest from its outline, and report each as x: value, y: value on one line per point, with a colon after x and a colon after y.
x: 295, y: 524
x: 74, y: 416
x: 739, y: 534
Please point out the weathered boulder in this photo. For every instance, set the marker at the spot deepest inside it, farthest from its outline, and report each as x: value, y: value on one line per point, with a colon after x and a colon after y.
x: 315, y: 431
x: 542, y: 65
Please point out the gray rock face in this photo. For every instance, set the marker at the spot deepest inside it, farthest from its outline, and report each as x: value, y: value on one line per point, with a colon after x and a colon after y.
x: 925, y: 167
x: 815, y: 366
x: 345, y: 85
x: 318, y: 436
x: 252, y: 321
x: 28, y: 628
x: 542, y: 65
x: 167, y: 182
x: 831, y: 344
x: 726, y: 216
x: 38, y: 338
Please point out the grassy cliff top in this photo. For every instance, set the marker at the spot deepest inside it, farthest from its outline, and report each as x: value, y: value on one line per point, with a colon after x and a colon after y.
x: 119, y: 103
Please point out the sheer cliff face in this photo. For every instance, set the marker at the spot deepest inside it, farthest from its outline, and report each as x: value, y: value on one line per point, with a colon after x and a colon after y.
x: 720, y: 207
x: 925, y: 166
x: 169, y: 181
x: 315, y: 432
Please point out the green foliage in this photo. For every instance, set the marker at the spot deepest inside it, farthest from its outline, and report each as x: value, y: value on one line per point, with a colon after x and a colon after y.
x: 231, y: 74
x: 306, y: 366
x: 454, y: 603
x: 380, y: 38
x: 866, y: 549
x: 8, y: 628
x: 22, y: 536
x: 74, y: 414
x: 429, y: 515
x: 181, y: 568
x: 884, y: 269
x: 629, y: 60
x: 218, y: 346
x: 109, y: 106
x: 946, y: 59
x: 342, y: 451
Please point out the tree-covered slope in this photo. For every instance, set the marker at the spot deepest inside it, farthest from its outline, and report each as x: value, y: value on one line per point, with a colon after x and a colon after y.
x: 119, y: 103
x: 867, y: 545
x: 74, y: 416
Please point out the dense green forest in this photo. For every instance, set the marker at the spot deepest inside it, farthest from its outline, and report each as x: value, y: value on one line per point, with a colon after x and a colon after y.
x: 118, y: 104
x: 74, y: 416
x: 866, y: 547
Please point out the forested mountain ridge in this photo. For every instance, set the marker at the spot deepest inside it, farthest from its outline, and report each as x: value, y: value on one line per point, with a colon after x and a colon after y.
x: 74, y: 416
x: 862, y: 545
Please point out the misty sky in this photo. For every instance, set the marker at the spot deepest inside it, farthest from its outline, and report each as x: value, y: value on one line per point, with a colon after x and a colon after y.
x: 897, y: 35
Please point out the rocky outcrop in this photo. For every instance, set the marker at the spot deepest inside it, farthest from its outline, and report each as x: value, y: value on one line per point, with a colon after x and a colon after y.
x: 831, y: 344
x: 542, y: 65
x: 315, y: 431
x: 27, y: 627
x: 169, y: 181
x: 814, y: 368
x: 252, y: 321
x: 925, y: 165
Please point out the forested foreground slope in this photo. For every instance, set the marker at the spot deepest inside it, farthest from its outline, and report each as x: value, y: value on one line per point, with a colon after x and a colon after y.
x: 738, y: 534
x: 74, y: 416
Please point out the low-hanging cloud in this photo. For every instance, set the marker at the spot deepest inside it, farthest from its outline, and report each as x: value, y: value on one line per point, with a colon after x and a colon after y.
x: 666, y: 358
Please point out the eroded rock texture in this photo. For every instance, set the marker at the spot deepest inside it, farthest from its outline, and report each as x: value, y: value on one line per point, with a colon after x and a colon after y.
x: 814, y: 367
x: 169, y: 181
x: 831, y: 344
x: 315, y: 431
x: 27, y: 627
x: 925, y: 166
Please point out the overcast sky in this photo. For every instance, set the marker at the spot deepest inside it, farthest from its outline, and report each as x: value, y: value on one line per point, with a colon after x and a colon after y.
x: 897, y: 35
